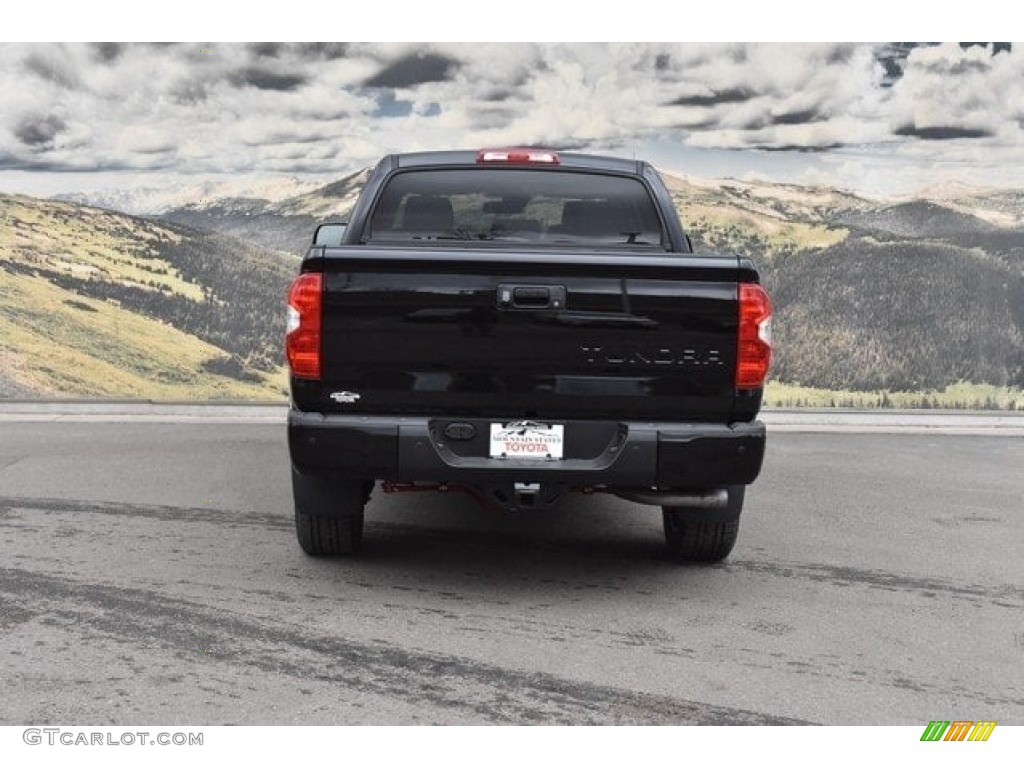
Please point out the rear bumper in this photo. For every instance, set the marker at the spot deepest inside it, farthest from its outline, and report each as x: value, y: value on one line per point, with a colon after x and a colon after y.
x: 606, y: 454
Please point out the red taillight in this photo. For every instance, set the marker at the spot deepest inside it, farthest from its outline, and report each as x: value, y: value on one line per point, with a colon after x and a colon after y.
x: 755, y: 337
x: 518, y: 156
x: 302, y: 338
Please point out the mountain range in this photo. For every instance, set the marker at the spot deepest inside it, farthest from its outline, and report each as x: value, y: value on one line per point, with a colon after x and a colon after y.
x: 284, y: 224
x: 911, y: 294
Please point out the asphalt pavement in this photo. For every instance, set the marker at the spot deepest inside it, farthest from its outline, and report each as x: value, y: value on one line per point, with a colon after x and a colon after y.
x: 149, y: 574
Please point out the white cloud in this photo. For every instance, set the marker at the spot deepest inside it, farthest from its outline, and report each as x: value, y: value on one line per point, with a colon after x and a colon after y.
x: 289, y: 108
x: 972, y: 90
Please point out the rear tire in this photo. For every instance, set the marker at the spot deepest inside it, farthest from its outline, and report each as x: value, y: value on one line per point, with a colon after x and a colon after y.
x: 329, y: 513
x: 329, y: 536
x: 691, y: 539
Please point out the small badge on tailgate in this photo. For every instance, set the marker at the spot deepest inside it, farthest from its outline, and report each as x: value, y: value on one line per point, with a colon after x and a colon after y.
x: 527, y: 440
x: 345, y: 397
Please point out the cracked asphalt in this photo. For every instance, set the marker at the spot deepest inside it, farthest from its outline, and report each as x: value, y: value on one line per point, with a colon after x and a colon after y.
x: 149, y: 574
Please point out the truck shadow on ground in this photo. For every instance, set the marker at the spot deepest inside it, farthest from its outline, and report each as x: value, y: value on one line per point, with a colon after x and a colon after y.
x: 594, y: 535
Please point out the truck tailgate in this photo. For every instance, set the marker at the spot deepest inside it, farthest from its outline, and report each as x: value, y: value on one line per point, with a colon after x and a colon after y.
x: 545, y: 335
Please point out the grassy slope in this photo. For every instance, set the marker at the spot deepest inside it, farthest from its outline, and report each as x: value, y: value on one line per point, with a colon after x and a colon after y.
x: 59, y: 341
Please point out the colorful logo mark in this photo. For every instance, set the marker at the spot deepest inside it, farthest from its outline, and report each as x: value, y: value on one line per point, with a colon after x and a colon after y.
x: 958, y: 730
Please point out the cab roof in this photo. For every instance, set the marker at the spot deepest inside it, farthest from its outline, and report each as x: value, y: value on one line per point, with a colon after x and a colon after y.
x: 468, y: 157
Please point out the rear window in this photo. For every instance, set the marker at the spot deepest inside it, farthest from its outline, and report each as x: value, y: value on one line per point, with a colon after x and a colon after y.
x: 520, y: 205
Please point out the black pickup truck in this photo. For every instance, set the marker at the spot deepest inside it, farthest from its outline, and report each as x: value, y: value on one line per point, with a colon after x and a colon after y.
x: 520, y: 324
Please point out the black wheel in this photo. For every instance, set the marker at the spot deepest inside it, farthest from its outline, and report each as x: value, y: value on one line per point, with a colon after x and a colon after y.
x: 329, y: 513
x: 694, y: 535
x: 329, y: 536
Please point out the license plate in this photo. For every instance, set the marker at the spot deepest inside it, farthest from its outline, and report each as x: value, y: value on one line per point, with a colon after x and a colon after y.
x: 527, y: 440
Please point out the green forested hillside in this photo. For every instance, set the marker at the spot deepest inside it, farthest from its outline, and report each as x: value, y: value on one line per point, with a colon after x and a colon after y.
x: 898, y: 315
x: 913, y: 296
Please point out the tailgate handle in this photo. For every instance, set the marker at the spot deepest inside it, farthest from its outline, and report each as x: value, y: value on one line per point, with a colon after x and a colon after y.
x: 531, y: 297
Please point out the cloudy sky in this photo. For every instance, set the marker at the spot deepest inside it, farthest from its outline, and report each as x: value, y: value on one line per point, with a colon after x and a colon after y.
x: 874, y: 118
